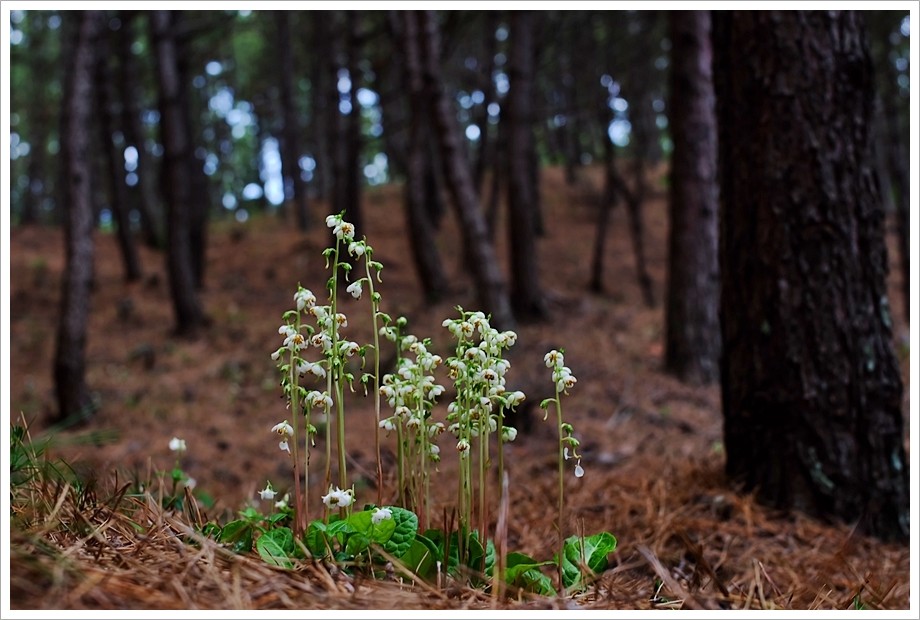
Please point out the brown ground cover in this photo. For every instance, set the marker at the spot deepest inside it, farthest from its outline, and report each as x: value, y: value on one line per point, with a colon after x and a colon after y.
x: 651, y: 445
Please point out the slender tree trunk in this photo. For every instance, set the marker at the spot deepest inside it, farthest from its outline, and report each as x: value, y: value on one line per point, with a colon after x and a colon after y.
x: 295, y: 188
x: 490, y: 284
x: 73, y: 396
x: 692, y: 337
x: 609, y: 200
x: 418, y: 223
x: 325, y: 104
x: 39, y: 122
x: 200, y: 204
x: 148, y: 205
x: 811, y: 388
x: 177, y: 146
x: 353, y: 143
x: 109, y: 125
x: 526, y: 296
x: 634, y: 202
x: 490, y: 48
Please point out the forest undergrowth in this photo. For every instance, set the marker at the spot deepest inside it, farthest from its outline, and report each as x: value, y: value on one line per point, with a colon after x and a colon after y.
x: 119, y: 522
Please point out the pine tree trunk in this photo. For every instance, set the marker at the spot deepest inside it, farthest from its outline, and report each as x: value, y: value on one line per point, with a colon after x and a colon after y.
x: 109, y: 125
x: 353, y: 142
x: 177, y: 146
x: 490, y: 284
x: 526, y: 296
x: 692, y: 337
x: 133, y: 129
x: 73, y: 396
x: 811, y: 387
x: 295, y: 188
x: 325, y: 105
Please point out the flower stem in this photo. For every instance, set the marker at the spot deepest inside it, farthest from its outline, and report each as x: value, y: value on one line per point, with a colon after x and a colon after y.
x: 561, y: 488
x: 295, y: 404
x: 376, y: 308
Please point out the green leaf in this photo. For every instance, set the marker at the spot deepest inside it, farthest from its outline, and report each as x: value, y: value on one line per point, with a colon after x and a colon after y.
x: 421, y: 557
x: 357, y: 543
x: 404, y: 531
x: 316, y: 539
x: 522, y: 571
x: 534, y: 581
x: 490, y: 558
x: 596, y: 549
x: 239, y: 535
x: 276, y: 547
x: 211, y: 529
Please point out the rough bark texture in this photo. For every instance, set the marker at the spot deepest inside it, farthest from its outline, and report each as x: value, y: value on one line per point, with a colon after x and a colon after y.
x: 490, y: 284
x: 295, y: 188
x: 109, y: 125
x: 73, y: 396
x: 421, y: 232
x: 692, y: 337
x: 811, y: 388
x: 177, y: 183
x: 526, y: 296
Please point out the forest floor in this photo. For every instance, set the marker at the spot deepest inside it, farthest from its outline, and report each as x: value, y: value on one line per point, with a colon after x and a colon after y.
x: 651, y: 445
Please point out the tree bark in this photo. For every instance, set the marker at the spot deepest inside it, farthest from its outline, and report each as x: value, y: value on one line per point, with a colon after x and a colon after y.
x: 418, y: 223
x: 73, y: 395
x: 490, y: 284
x: 526, y: 296
x: 692, y: 337
x: 353, y: 142
x: 109, y: 125
x: 325, y: 105
x: 200, y: 203
x: 811, y: 387
x: 486, y: 146
x: 295, y: 188
x: 133, y: 130
x: 177, y: 152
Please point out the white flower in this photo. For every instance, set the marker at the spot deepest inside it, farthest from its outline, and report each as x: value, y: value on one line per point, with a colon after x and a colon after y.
x: 516, y: 398
x: 434, y: 449
x: 332, y: 221
x: 283, y: 428
x: 510, y: 338
x: 343, y: 230
x: 268, y: 492
x: 321, y: 339
x: 284, y: 446
x: 579, y: 471
x: 356, y: 248
x: 463, y: 447
x: 277, y: 354
x: 389, y: 333
x: 341, y: 319
x: 387, y: 424
x: 317, y: 399
x: 355, y: 289
x: 381, y: 514
x: 565, y: 453
x: 338, y: 498
x: 177, y: 445
x: 553, y: 359
x: 190, y: 483
x: 349, y: 348
x: 435, y: 429
x: 304, y: 299
x: 509, y: 433
x: 282, y: 503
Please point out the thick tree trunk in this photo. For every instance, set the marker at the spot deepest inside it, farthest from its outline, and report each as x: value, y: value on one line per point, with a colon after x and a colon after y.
x: 109, y: 125
x: 421, y: 232
x: 811, y: 388
x: 73, y: 396
x: 177, y: 146
x: 692, y: 337
x: 487, y: 84
x: 295, y: 188
x: 526, y: 296
x: 490, y: 284
x: 133, y: 129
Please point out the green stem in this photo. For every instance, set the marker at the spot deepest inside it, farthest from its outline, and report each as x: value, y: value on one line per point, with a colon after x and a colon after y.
x: 295, y: 403
x: 561, y: 487
x: 376, y: 308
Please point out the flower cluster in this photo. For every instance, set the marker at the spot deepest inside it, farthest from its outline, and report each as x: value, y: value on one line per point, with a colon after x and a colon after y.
x: 564, y: 380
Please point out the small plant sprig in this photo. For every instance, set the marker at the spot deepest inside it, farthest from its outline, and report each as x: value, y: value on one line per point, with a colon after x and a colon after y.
x: 478, y: 371
x: 563, y: 380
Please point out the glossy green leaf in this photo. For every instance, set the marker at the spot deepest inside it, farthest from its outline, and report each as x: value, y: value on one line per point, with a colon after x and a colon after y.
x: 239, y: 535
x: 276, y: 547
x: 404, y: 531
